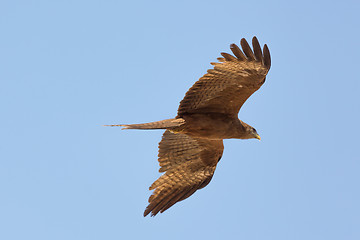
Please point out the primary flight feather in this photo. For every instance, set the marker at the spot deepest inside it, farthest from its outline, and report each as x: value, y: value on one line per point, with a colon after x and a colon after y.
x: 192, y: 144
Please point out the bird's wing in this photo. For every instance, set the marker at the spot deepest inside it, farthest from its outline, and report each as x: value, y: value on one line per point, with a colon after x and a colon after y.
x: 189, y: 164
x: 233, y: 80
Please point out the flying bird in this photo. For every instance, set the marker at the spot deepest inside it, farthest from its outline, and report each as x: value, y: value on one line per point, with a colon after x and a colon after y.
x: 192, y: 144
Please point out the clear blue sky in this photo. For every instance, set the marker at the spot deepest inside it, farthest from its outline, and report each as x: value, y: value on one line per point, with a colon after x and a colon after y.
x: 68, y: 67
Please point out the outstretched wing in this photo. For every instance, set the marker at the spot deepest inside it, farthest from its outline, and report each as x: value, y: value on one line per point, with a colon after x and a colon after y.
x: 189, y: 164
x: 233, y: 80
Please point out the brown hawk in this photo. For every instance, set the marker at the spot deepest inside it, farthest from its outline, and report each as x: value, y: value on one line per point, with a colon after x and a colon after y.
x: 192, y: 144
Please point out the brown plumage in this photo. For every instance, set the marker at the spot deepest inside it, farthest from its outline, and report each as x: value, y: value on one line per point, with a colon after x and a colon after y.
x: 192, y: 144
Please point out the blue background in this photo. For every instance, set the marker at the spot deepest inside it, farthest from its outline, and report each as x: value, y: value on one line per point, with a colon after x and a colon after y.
x: 68, y: 67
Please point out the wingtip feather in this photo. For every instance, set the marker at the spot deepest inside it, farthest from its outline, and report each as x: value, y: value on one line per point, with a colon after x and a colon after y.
x: 228, y: 57
x: 257, y: 49
x: 237, y: 52
x: 267, y: 58
x: 247, y: 49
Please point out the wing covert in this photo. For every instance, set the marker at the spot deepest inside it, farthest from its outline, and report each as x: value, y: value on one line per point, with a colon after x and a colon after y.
x: 226, y: 87
x: 189, y: 164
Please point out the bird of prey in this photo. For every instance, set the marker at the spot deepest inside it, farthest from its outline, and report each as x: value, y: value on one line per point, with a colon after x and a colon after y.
x: 192, y: 143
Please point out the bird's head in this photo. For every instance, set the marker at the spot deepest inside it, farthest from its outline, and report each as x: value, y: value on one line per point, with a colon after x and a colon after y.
x: 254, y: 134
x: 250, y: 132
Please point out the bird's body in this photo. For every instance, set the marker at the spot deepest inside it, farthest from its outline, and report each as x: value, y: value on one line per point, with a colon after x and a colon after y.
x: 192, y: 144
x: 202, y: 125
x: 211, y: 126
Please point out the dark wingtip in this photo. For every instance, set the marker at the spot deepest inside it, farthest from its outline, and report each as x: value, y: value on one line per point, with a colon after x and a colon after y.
x: 247, y: 49
x: 147, y: 213
x: 267, y: 58
x: 257, y: 49
x: 237, y: 52
x: 228, y: 57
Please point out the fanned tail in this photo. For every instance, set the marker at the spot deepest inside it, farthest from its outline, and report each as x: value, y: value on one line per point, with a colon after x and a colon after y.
x: 164, y: 124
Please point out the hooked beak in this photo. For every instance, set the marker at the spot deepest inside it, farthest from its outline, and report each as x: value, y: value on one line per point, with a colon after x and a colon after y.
x: 257, y: 136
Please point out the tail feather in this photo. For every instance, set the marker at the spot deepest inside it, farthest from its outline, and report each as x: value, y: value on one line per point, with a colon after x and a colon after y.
x: 164, y: 124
